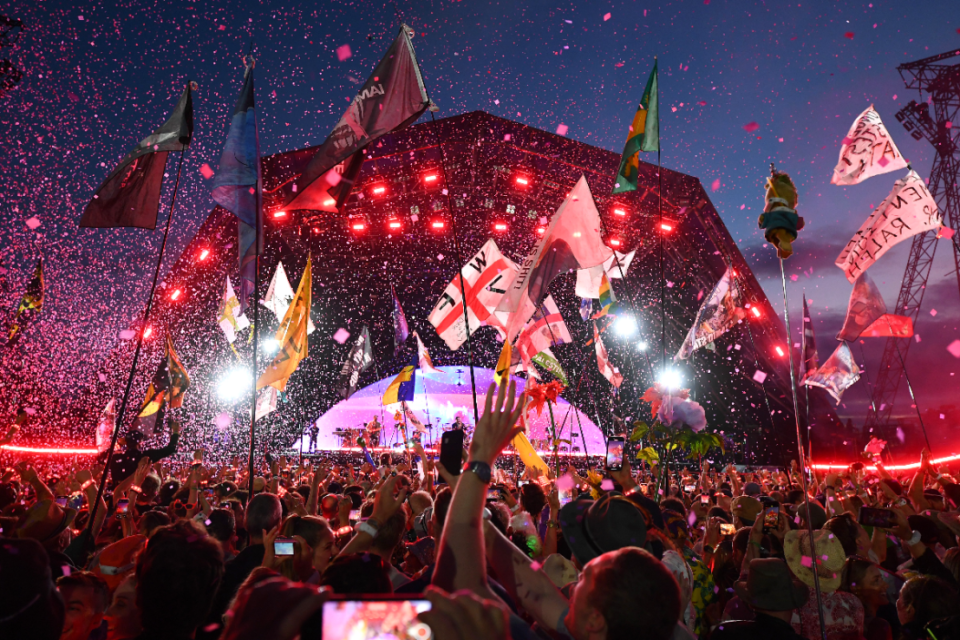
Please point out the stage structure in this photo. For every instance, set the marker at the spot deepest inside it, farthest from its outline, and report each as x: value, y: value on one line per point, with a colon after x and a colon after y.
x: 941, y: 81
x: 499, y: 179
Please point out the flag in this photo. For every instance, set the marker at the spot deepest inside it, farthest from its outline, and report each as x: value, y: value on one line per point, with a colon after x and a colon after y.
x: 544, y: 330
x: 30, y: 303
x: 867, y: 315
x: 608, y: 300
x: 867, y: 150
x: 358, y: 360
x: 238, y: 186
x: 401, y: 331
x: 130, y: 195
x: 837, y: 374
x: 644, y: 135
x: 548, y: 361
x: 889, y: 326
x: 907, y: 211
x: 412, y: 417
x: 424, y: 358
x: 809, y: 361
x: 279, y: 296
x: 501, y: 374
x: 391, y: 98
x: 615, y: 267
x: 229, y: 316
x: 485, y: 280
x: 402, y: 387
x: 572, y: 241
x: 531, y: 459
x: 586, y: 308
x: 720, y: 311
x: 169, y: 384
x: 106, y: 426
x: 266, y: 402
x: 610, y: 372
x: 292, y: 336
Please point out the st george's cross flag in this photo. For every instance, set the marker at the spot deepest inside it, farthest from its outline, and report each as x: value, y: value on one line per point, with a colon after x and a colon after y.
x: 358, y: 360
x: 130, y: 195
x: 292, y: 336
x: 426, y: 363
x: 867, y: 150
x: 30, y: 304
x: 229, y: 316
x: 106, y: 425
x: 572, y: 241
x: 391, y: 98
x: 544, y: 330
x: 809, y: 360
x: 907, y: 211
x: 867, y: 315
x: 720, y: 311
x: 238, y: 185
x: 837, y: 374
x: 485, y: 280
x: 644, y: 135
x: 610, y: 372
x: 615, y: 268
x: 280, y: 295
x: 402, y: 387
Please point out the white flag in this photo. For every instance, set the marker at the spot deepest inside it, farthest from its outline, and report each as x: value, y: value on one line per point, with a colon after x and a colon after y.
x: 485, y: 280
x: 720, y: 312
x: 545, y: 329
x: 229, y: 316
x: 588, y: 280
x: 868, y: 150
x: 837, y: 374
x: 105, y: 426
x: 279, y: 296
x: 412, y: 417
x: 610, y: 372
x: 266, y: 402
x: 425, y: 362
x: 907, y: 211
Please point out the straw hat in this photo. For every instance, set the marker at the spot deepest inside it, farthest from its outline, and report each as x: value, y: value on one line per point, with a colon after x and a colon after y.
x: 560, y: 570
x: 796, y: 549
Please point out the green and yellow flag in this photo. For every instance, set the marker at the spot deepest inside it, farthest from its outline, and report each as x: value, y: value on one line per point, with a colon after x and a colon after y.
x: 32, y: 301
x: 644, y: 135
x: 292, y: 336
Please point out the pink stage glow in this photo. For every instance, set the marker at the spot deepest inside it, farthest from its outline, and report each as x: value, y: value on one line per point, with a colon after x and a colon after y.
x: 51, y: 451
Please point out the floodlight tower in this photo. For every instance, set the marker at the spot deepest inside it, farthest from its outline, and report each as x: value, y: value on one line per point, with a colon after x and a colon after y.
x: 941, y: 128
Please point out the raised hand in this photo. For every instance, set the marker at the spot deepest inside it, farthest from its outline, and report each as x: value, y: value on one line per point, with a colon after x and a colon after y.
x: 498, y: 425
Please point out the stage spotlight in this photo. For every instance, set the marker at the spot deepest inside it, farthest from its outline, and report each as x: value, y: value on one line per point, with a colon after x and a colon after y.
x: 280, y: 214
x: 394, y: 225
x: 540, y: 230
x: 204, y: 254
x: 670, y: 379
x: 780, y: 351
x: 642, y: 345
x: 522, y: 181
x: 620, y: 212
x: 329, y: 202
x: 270, y: 346
x: 438, y: 225
x: 358, y: 226
x: 147, y: 333
x: 755, y: 311
x: 667, y: 225
x: 625, y: 326
x: 379, y: 190
x: 614, y: 242
x: 176, y: 294
x: 430, y: 178
x: 234, y: 385
x: 500, y: 226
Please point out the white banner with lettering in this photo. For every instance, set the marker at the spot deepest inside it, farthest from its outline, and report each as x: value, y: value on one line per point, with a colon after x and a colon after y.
x: 868, y: 150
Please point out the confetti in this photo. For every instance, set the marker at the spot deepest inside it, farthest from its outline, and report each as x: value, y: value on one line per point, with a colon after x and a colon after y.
x: 759, y: 376
x: 343, y: 52
x: 750, y: 127
x: 33, y: 222
x: 562, y: 129
x: 341, y: 335
x: 206, y: 171
x: 954, y: 348
x: 606, y: 17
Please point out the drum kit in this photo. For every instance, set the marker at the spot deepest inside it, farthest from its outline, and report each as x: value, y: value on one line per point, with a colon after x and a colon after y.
x: 350, y: 437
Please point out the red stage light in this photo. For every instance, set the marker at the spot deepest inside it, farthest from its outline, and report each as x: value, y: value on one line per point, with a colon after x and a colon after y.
x: 500, y: 226
x: 379, y: 190
x: 755, y: 311
x: 890, y: 467
x: 147, y: 333
x: 540, y: 231
x: 176, y: 294
x: 280, y: 214
x: 666, y: 226
x: 614, y: 242
x: 523, y: 181
x: 780, y: 351
x: 358, y: 226
x: 394, y: 224
x: 620, y: 212
x: 438, y: 224
x: 204, y: 254
x: 329, y: 202
x: 432, y: 177
x: 60, y: 451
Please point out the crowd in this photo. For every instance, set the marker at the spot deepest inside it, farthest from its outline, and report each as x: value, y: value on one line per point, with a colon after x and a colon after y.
x: 606, y: 554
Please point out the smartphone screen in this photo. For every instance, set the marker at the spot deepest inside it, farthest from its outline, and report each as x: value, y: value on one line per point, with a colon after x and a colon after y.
x: 873, y: 517
x: 615, y: 454
x: 771, y: 518
x: 704, y: 498
x: 283, y: 547
x: 123, y: 505
x: 451, y: 451
x: 565, y: 496
x: 727, y: 529
x: 689, y: 488
x: 61, y: 501
x: 493, y: 494
x: 355, y: 514
x: 382, y: 619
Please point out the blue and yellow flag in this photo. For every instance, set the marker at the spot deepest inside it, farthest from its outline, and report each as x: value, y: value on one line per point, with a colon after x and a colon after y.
x: 401, y: 389
x: 644, y: 135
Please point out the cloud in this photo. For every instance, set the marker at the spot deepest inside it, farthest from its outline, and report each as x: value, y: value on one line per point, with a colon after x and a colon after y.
x: 762, y: 258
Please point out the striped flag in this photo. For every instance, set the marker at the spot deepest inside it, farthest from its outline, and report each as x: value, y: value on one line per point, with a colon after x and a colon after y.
x: 426, y: 363
x: 610, y: 372
x: 644, y: 135
x: 608, y: 300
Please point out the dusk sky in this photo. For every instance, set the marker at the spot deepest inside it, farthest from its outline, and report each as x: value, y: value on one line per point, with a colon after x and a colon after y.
x: 99, y: 76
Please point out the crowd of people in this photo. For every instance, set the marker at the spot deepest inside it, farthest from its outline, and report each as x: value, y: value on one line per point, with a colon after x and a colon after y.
x: 590, y: 554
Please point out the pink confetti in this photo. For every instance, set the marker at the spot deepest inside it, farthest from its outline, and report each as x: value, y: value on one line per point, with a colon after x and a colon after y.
x: 954, y: 348
x: 806, y: 561
x: 933, y: 312
x: 848, y: 35
x: 715, y: 185
x: 794, y: 277
x: 127, y: 334
x: 562, y: 128
x: 947, y: 232
x: 759, y: 376
x: 223, y: 27
x: 948, y: 124
x: 33, y: 222
x: 565, y: 482
x: 916, y: 337
x: 343, y: 52
x: 607, y: 484
x: 883, y: 161
x: 206, y: 171
x: 535, y: 565
x: 750, y: 127
x: 341, y: 335
x: 702, y: 103
x: 223, y: 420
x: 606, y: 17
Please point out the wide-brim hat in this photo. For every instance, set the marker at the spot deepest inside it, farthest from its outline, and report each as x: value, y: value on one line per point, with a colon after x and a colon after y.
x: 118, y: 560
x: 560, y: 570
x: 45, y: 520
x: 594, y: 527
x: 830, y: 557
x: 746, y: 508
x: 770, y: 587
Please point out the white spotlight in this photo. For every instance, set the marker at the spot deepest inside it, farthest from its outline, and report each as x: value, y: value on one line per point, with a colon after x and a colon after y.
x: 642, y: 345
x: 625, y: 326
x: 271, y: 346
x: 670, y: 378
x: 234, y: 384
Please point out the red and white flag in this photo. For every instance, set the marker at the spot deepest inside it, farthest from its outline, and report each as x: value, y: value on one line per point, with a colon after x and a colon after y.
x: 572, y: 241
x: 485, y: 280
x: 588, y: 280
x: 907, y: 211
x: 867, y: 315
x: 426, y: 364
x: 106, y: 425
x: 609, y: 371
x: 868, y: 150
x: 545, y: 329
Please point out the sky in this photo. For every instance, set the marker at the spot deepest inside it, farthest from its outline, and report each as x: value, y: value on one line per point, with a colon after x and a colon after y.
x: 742, y: 84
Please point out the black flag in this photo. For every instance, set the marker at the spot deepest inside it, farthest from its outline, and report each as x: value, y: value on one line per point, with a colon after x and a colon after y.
x: 392, y: 98
x: 130, y: 196
x: 359, y: 360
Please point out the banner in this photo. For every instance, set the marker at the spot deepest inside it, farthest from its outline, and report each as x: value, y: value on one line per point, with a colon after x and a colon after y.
x: 837, y: 374
x: 615, y: 268
x: 610, y: 372
x: 548, y: 361
x: 809, y: 360
x: 30, y: 304
x: 865, y: 306
x: 358, y: 360
x: 401, y: 331
x: 412, y: 417
x: 229, y: 316
x: 644, y: 135
x: 907, y: 211
x: 403, y: 386
x: 501, y: 373
x: 266, y: 402
x: 868, y: 150
x: 485, y: 280
x: 528, y: 454
x: 292, y: 336
x: 546, y: 329
x: 280, y: 295
x: 426, y: 363
x: 720, y: 311
x: 106, y: 426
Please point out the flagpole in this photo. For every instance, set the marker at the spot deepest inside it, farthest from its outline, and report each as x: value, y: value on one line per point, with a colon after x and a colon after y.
x: 803, y: 462
x: 459, y: 258
x: 136, y: 353
x: 253, y: 395
x: 663, y: 312
x: 916, y: 405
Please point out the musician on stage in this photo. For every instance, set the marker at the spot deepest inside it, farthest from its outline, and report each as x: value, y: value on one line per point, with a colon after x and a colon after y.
x: 458, y: 424
x: 314, y: 432
x: 372, y: 431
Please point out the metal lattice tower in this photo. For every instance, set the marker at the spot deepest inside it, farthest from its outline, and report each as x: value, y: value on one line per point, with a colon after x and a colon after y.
x: 942, y: 84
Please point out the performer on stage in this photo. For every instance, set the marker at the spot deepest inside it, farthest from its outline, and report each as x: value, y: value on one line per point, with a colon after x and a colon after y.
x: 372, y: 431
x: 314, y: 432
x: 458, y: 424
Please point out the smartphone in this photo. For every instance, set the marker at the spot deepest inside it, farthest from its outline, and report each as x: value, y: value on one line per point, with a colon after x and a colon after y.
x: 283, y: 547
x: 727, y: 529
x: 565, y: 496
x: 123, y: 506
x: 355, y: 514
x: 704, y: 498
x: 689, y: 487
x: 75, y: 501
x: 873, y: 517
x: 62, y: 501
x: 615, y: 454
x: 493, y: 494
x: 375, y: 616
x: 771, y: 518
x: 451, y: 451
x: 208, y: 494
